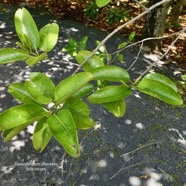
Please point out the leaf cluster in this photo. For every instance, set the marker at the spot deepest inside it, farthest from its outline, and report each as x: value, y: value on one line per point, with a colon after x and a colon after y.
x: 59, y: 111
x: 34, y: 45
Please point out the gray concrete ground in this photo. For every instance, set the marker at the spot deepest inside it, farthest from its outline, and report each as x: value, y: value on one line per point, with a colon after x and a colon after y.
x: 146, y: 147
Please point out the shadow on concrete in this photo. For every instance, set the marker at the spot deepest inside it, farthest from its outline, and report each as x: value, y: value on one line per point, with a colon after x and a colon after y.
x: 146, y: 147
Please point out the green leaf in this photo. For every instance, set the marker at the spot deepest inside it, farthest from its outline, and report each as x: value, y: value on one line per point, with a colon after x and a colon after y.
x: 131, y: 36
x: 122, y: 45
x: 67, y: 87
x: 40, y: 87
x: 82, y: 92
x: 117, y: 108
x: 22, y: 46
x: 18, y: 91
x: 101, y: 3
x: 42, y: 135
x: 64, y: 131
x: 109, y: 94
x: 92, y: 63
x: 35, y: 59
x: 48, y: 36
x: 9, y: 55
x: 83, y: 43
x: 14, y: 132
x: 26, y: 29
x: 161, y: 87
x: 69, y: 49
x: 72, y: 42
x: 120, y: 58
x: 102, y: 49
x: 20, y: 115
x: 110, y: 73
x: 183, y: 77
x: 80, y: 112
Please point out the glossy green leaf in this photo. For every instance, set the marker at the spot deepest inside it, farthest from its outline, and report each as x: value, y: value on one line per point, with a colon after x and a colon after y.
x: 63, y: 128
x: 110, y: 73
x: 92, y: 63
x: 120, y: 58
x: 20, y: 115
x: 80, y: 112
x: 14, y: 132
x: 122, y: 45
x: 67, y: 87
x: 18, y: 91
x: 101, y: 3
x: 9, y: 55
x: 85, y: 90
x: 40, y: 87
x: 48, y: 37
x: 110, y: 94
x: 26, y: 28
x: 131, y: 36
x: 42, y: 135
x: 83, y: 43
x: 35, y: 59
x: 117, y: 108
x: 160, y: 87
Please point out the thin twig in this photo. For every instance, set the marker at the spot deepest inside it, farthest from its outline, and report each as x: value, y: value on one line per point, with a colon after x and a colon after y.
x: 141, y: 42
x: 62, y: 163
x: 136, y: 57
x: 143, y: 146
x: 87, y: 133
x: 146, y: 39
x: 166, y: 52
x: 119, y: 28
x: 122, y: 169
x: 70, y: 63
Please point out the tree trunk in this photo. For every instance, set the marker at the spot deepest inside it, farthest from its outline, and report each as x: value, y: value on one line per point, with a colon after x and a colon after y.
x: 155, y: 24
x: 176, y: 11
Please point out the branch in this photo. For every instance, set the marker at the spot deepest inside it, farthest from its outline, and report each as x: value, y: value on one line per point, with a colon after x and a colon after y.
x: 119, y: 28
x: 146, y: 39
x: 124, y: 168
x: 136, y: 57
x: 141, y: 46
x: 166, y: 52
x: 143, y: 146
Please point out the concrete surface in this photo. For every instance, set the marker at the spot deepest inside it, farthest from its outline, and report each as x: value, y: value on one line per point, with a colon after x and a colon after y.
x: 147, y: 147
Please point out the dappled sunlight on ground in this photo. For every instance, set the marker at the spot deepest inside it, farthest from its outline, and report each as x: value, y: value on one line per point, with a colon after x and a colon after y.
x: 146, y: 146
